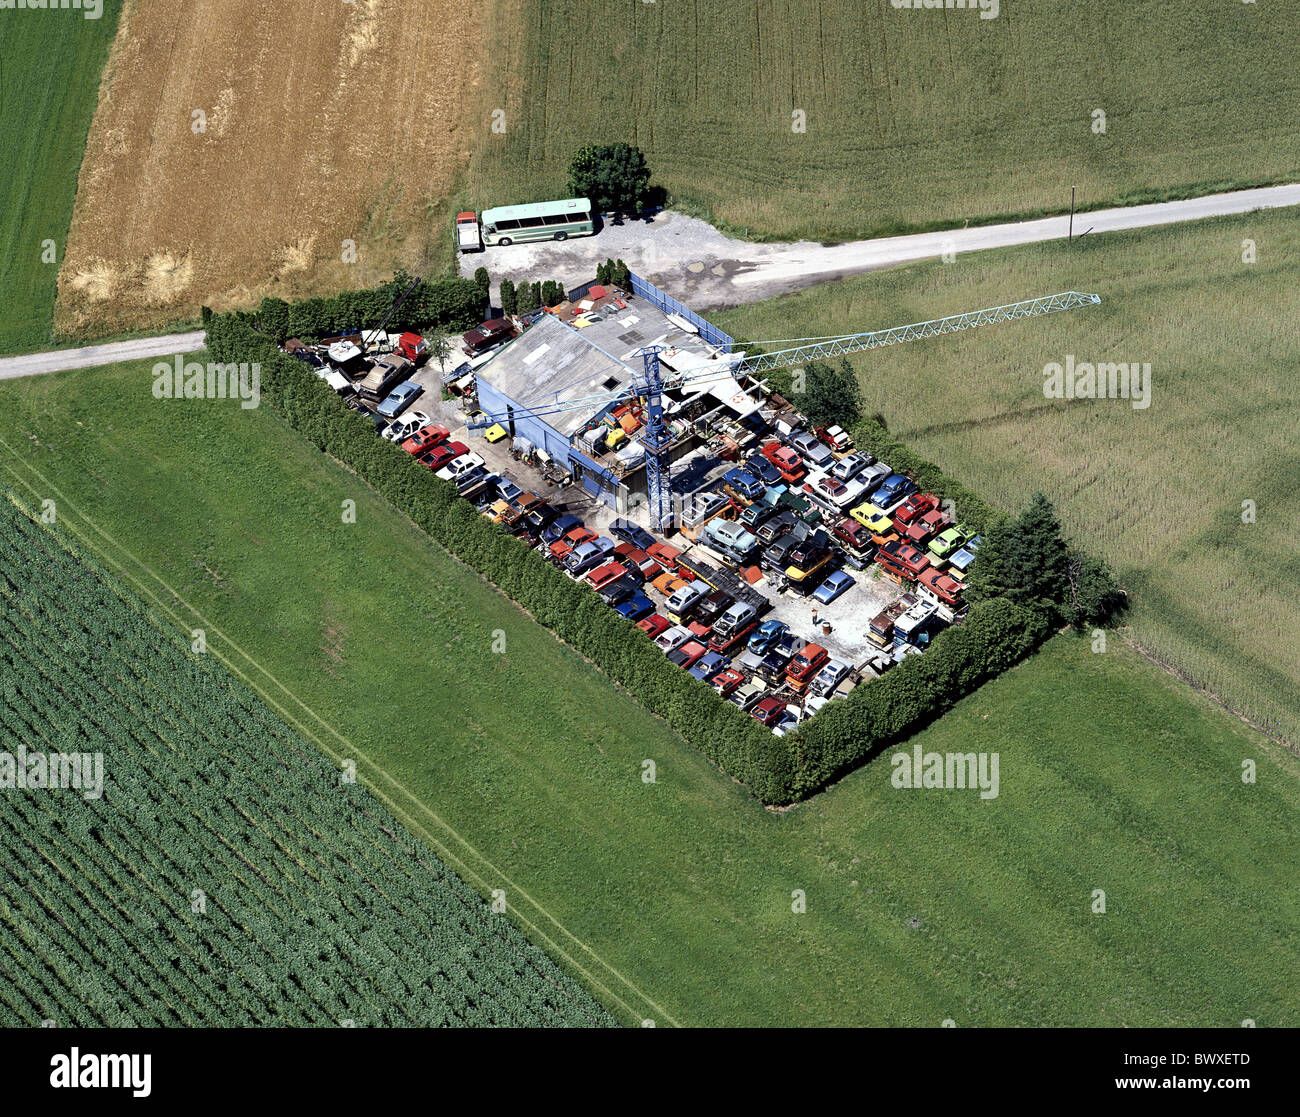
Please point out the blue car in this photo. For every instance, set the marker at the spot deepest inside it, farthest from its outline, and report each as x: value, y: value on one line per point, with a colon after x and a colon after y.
x: 769, y: 632
x: 708, y: 665
x: 402, y: 397
x: 835, y: 585
x: 556, y: 528
x: 965, y: 555
x: 635, y: 607
x: 632, y: 533
x: 892, y: 490
x: 744, y: 483
x: 763, y: 469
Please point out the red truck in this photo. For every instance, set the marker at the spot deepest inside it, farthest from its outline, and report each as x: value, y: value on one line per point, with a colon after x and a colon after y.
x: 786, y: 460
x: 804, y: 667
x: 901, y: 561
x: 915, y: 506
x: 940, y: 587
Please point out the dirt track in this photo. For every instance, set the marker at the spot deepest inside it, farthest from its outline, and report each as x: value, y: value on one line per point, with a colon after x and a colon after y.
x: 325, y: 121
x: 708, y: 270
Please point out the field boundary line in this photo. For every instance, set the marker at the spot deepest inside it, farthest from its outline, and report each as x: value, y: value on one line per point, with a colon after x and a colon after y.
x: 120, y: 568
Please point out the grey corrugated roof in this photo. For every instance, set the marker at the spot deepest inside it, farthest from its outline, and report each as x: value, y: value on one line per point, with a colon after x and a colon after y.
x: 552, y: 361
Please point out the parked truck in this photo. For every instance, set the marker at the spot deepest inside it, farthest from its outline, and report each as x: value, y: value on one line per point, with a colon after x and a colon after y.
x: 467, y: 233
x: 384, y: 376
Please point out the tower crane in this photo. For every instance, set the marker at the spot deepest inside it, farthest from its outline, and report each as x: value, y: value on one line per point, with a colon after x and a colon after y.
x: 651, y: 382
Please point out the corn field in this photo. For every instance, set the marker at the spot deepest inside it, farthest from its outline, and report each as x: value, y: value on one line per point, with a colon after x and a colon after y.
x: 227, y: 875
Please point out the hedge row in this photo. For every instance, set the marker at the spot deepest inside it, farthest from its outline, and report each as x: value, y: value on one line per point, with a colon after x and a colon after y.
x: 451, y: 303
x: 776, y: 770
x: 995, y: 635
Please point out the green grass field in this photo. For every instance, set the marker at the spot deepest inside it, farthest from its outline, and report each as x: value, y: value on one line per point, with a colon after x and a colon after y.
x: 914, y: 119
x: 50, y: 63
x: 1159, y: 491
x: 673, y: 899
x: 208, y: 867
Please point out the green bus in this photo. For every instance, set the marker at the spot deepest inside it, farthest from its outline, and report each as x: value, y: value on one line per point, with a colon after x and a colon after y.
x: 539, y: 221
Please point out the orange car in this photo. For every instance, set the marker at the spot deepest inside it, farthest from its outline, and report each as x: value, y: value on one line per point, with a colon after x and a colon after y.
x: 668, y: 584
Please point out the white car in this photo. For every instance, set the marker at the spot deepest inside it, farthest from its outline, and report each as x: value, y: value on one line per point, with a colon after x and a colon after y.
x: 791, y: 718
x: 670, y: 639
x: 457, y: 467
x: 399, y: 430
x: 849, y: 466
x: 829, y: 677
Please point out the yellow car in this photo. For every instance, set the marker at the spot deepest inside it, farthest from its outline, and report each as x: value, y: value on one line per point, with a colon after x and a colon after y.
x: 872, y: 518
x: 496, y: 432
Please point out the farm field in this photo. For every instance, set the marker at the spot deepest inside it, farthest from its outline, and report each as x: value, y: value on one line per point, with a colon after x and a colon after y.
x: 1160, y: 491
x: 324, y: 123
x: 672, y: 900
x: 912, y: 119
x: 214, y: 870
x: 50, y: 65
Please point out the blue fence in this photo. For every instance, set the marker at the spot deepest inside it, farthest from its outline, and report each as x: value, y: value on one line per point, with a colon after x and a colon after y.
x: 669, y: 305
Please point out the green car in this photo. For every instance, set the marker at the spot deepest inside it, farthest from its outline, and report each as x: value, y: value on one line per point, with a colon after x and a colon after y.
x: 943, y: 544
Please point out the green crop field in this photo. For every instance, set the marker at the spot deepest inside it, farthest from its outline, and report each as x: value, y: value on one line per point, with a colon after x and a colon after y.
x: 913, y: 119
x: 1161, y: 491
x: 50, y: 63
x: 672, y: 900
x: 209, y: 867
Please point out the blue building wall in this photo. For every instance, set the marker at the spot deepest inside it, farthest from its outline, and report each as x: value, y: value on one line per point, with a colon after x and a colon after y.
x: 534, y: 428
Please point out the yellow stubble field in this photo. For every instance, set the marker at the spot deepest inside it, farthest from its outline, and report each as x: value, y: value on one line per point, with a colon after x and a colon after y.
x: 238, y: 145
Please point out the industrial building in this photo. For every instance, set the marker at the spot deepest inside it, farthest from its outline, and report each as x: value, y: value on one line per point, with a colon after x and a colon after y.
x: 562, y: 388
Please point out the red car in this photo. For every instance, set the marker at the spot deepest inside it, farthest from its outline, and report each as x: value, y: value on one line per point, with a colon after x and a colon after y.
x: 941, y: 586
x: 426, y: 439
x: 924, y: 526
x: 853, y: 535
x: 687, y: 655
x: 768, y: 712
x: 653, y: 625
x: 637, y: 559
x: 902, y: 561
x: 439, y: 456
x: 664, y: 554
x: 915, y: 506
x: 725, y: 644
x: 490, y: 334
x: 786, y: 460
x: 724, y: 682
x: 574, y: 537
x: 606, y: 575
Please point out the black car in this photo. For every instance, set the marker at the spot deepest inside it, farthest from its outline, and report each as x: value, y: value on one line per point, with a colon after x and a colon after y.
x: 539, y: 518
x: 774, y: 664
x: 811, y: 549
x: 763, y: 469
x: 771, y: 529
x: 617, y: 592
x: 308, y: 357
x: 632, y: 533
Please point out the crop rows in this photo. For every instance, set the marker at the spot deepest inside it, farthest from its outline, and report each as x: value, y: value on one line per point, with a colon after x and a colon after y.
x: 226, y: 876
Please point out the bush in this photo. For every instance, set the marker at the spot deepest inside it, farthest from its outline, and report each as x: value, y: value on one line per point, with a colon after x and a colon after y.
x: 454, y: 304
x: 610, y: 176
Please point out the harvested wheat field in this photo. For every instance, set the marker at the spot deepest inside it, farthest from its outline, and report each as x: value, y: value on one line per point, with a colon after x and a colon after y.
x: 321, y: 122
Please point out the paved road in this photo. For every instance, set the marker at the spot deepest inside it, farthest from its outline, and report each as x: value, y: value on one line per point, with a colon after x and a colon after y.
x: 91, y: 355
x: 706, y: 270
